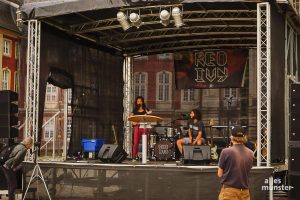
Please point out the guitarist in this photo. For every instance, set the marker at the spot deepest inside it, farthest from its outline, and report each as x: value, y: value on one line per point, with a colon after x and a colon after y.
x: 196, y: 131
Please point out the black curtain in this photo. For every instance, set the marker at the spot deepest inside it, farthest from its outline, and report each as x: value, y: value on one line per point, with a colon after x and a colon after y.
x: 97, y: 93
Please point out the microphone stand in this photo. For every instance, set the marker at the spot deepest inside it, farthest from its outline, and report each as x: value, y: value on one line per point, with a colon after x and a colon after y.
x: 36, y: 173
x: 229, y: 102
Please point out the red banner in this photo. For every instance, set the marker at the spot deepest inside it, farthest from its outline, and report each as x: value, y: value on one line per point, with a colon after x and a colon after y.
x: 210, y: 68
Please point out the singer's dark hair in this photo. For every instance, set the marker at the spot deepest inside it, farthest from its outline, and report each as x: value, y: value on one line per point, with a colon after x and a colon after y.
x: 143, y: 103
x: 197, y: 114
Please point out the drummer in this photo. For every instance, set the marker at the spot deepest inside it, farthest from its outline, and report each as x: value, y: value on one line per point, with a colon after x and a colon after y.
x: 139, y: 109
x: 196, y: 131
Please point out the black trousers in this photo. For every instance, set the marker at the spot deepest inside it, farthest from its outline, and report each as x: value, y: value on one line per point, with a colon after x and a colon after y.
x: 11, y: 181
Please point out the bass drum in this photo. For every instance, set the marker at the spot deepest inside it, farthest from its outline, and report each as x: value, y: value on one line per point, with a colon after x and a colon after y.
x: 164, y: 150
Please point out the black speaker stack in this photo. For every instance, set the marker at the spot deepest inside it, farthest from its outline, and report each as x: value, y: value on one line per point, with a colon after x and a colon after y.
x: 8, y: 114
x: 294, y: 143
x: 112, y: 153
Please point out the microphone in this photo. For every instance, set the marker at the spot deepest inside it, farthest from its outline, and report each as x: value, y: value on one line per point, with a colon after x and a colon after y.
x: 184, y: 116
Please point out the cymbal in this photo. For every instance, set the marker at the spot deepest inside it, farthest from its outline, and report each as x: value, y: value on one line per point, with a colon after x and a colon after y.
x: 144, y: 118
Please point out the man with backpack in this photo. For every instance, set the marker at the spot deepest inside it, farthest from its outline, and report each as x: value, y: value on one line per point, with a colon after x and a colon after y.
x: 14, y: 163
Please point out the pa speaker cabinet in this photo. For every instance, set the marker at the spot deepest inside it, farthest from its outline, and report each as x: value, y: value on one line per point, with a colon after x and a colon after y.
x: 196, y: 153
x: 294, y: 183
x: 294, y: 157
x: 295, y: 90
x: 295, y: 126
x: 112, y: 153
x: 295, y: 105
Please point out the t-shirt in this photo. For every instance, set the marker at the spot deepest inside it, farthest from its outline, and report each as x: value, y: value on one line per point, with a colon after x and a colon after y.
x: 195, y: 127
x: 136, y: 112
x: 141, y: 124
x: 236, y: 162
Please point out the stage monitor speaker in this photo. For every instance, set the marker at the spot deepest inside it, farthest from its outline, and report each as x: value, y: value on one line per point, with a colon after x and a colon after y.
x: 112, y: 153
x: 294, y: 157
x: 294, y: 182
x: 295, y: 91
x: 196, y: 153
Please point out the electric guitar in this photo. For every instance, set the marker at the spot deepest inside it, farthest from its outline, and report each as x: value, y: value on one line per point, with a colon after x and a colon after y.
x: 213, y: 147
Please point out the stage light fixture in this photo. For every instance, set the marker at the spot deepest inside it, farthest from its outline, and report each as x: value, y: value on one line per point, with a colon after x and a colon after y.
x: 122, y: 18
x: 164, y: 17
x: 177, y: 16
x: 135, y: 19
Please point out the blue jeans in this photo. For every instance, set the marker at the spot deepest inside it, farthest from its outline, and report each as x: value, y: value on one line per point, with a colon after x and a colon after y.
x: 11, y: 181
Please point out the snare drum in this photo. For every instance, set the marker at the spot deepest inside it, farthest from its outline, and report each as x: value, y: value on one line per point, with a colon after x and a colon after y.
x: 164, y: 150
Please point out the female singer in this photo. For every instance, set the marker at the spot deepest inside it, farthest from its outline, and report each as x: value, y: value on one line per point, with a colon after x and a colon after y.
x: 139, y: 109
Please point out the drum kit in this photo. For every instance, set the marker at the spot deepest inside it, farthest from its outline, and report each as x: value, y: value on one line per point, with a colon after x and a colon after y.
x: 162, y: 139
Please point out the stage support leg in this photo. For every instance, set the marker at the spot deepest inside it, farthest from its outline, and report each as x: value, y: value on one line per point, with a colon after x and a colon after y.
x: 263, y: 82
x: 127, y: 103
x: 144, y: 148
x: 33, y: 78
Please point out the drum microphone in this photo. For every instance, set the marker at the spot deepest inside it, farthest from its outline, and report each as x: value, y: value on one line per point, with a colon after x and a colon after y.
x: 185, y: 116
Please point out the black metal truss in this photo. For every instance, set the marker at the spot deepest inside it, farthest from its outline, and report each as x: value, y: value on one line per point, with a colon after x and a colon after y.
x: 217, y: 25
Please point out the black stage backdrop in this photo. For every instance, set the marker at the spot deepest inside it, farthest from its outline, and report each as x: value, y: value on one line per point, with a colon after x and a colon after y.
x: 210, y: 68
x: 97, y: 93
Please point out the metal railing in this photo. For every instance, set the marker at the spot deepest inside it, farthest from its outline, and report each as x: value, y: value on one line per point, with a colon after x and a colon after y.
x: 52, y: 137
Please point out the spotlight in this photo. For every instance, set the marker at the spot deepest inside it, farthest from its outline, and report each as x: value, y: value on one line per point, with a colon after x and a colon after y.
x: 122, y: 18
x: 135, y: 20
x: 164, y: 17
x: 177, y: 16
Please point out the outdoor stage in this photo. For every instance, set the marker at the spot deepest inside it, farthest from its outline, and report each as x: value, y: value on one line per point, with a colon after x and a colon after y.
x: 133, y: 180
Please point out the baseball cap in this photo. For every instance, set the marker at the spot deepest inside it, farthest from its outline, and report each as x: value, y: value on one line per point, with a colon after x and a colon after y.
x: 238, y: 131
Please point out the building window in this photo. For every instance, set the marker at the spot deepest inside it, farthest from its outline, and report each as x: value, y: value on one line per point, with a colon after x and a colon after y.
x: 51, y: 93
x: 230, y: 97
x: 230, y: 92
x: 69, y: 93
x: 69, y: 127
x: 49, y: 129
x: 16, y: 85
x: 188, y: 95
x: 164, y: 86
x: 140, y: 84
x: 92, y: 128
x: 5, y: 79
x: 7, y: 47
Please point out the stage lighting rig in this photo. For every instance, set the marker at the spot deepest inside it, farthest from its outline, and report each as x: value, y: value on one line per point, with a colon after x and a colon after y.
x: 135, y: 19
x: 177, y: 16
x: 164, y: 17
x: 122, y: 18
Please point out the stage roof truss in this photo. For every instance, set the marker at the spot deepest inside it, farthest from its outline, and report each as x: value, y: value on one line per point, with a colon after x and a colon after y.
x: 205, y: 25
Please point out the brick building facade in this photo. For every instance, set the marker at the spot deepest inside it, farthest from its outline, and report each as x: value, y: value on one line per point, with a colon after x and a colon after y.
x: 154, y: 78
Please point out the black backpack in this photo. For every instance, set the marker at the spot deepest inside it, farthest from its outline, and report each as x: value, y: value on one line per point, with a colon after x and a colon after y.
x: 5, y: 152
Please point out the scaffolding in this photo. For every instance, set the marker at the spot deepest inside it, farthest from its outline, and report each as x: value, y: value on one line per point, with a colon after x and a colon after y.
x: 263, y: 83
x: 127, y: 103
x: 33, y: 78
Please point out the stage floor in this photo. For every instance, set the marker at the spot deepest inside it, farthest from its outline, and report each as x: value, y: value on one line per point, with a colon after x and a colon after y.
x: 134, y: 180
